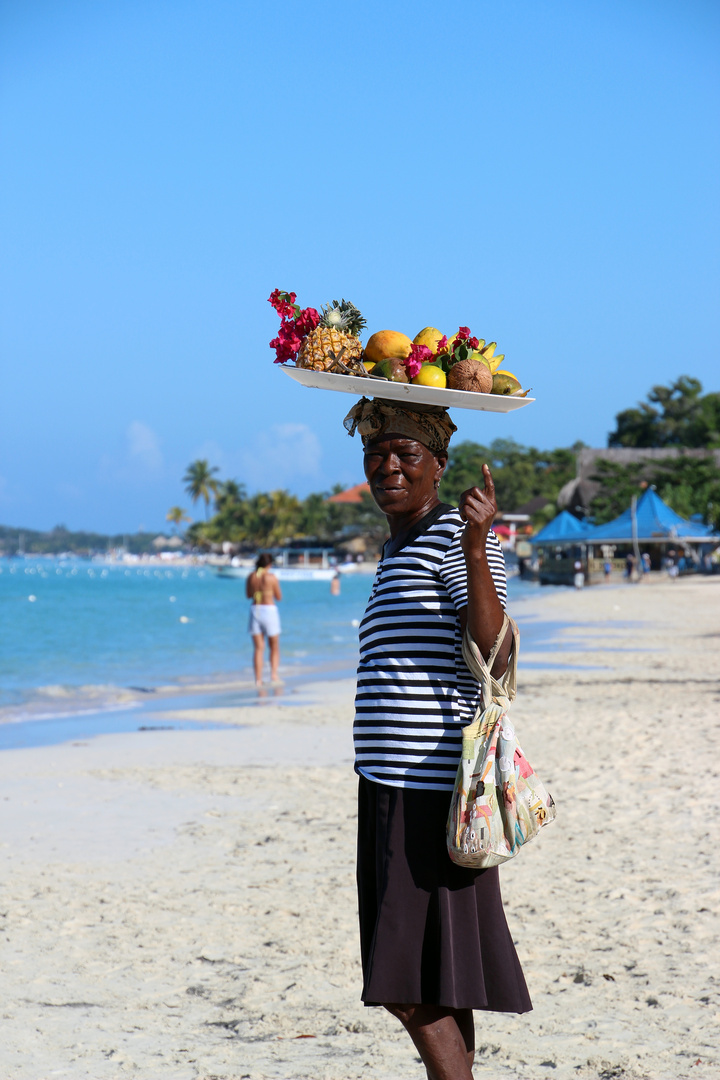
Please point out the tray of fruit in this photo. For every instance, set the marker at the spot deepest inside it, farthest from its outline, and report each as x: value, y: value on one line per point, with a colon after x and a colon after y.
x: 461, y: 372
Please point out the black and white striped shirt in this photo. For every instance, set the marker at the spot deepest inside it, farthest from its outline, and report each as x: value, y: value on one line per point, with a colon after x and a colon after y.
x: 414, y: 690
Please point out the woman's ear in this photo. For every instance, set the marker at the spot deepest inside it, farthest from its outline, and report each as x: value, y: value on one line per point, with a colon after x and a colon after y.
x: 442, y: 460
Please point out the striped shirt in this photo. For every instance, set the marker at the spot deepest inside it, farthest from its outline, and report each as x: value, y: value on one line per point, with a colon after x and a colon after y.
x: 414, y: 690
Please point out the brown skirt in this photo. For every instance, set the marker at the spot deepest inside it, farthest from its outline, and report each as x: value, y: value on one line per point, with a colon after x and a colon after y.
x: 431, y: 932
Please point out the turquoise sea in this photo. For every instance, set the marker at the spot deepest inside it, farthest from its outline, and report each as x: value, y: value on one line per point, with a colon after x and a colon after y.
x: 88, y: 647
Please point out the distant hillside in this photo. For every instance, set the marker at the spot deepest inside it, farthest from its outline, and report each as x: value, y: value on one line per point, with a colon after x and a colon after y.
x: 32, y: 542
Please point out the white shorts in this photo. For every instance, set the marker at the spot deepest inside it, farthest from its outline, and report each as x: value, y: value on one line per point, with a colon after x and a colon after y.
x: 264, y: 619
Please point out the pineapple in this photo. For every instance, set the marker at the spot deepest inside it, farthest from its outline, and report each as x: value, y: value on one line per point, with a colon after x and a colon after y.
x: 334, y: 344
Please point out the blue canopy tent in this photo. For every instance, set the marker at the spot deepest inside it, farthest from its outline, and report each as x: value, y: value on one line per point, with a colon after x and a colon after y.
x: 650, y: 522
x: 655, y: 523
x: 563, y: 529
x: 558, y: 547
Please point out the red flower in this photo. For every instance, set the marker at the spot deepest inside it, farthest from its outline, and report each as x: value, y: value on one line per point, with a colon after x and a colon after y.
x: 307, y: 320
x: 442, y: 343
x: 282, y: 352
x: 463, y: 333
x: 284, y: 303
x: 287, y: 343
x: 473, y: 343
x: 419, y: 355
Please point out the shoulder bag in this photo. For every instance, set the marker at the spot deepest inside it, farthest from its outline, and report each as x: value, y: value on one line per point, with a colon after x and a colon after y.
x: 498, y: 803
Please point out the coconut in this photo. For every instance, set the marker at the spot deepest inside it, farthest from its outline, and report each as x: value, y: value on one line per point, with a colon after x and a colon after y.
x: 470, y: 375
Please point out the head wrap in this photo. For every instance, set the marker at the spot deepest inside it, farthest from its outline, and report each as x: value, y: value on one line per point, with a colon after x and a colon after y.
x: 429, y: 424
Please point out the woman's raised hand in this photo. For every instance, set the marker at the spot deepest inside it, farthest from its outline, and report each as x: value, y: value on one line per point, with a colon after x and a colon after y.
x: 478, y: 508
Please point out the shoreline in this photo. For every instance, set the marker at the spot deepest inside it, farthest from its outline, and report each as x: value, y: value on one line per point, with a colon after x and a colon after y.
x: 181, y: 904
x: 56, y: 713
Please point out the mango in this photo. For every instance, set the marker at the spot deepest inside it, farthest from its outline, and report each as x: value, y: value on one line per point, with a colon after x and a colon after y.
x: 504, y: 383
x: 393, y: 368
x: 386, y: 344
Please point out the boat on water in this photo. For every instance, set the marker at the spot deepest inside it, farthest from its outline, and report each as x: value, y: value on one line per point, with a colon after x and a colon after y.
x: 290, y: 564
x: 283, y: 573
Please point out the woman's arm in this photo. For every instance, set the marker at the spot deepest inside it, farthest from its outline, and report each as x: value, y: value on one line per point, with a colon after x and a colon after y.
x: 277, y: 592
x: 483, y: 615
x: 249, y: 585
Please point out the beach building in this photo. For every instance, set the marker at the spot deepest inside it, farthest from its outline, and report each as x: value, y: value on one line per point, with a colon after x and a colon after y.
x: 648, y: 525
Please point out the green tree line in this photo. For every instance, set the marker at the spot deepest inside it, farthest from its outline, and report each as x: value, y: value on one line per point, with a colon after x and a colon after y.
x: 679, y: 415
x: 271, y: 518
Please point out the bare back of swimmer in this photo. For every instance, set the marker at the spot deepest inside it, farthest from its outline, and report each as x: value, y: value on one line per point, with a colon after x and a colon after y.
x: 263, y: 588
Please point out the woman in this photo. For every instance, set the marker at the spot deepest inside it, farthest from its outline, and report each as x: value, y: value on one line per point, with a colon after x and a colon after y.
x: 263, y: 588
x: 434, y: 941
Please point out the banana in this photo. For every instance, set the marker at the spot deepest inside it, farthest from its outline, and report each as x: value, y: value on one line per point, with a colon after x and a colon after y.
x: 489, y: 349
x: 496, y: 361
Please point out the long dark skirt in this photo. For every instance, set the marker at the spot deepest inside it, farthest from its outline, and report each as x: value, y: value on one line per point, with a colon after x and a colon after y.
x: 431, y: 932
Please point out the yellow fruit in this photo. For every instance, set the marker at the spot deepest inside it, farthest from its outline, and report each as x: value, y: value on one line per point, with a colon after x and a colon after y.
x: 428, y: 337
x: 504, y: 372
x: 387, y: 343
x: 368, y: 365
x: 430, y: 375
x: 490, y: 349
x: 496, y: 361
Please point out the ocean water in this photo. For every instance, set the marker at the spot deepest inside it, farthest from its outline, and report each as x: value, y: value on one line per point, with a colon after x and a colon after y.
x: 81, y: 639
x: 73, y: 624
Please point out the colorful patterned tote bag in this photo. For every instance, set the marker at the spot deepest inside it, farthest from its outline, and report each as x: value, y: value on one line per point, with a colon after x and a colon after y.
x: 498, y: 803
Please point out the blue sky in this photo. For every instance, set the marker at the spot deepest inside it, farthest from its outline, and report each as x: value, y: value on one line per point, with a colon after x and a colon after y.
x: 544, y: 172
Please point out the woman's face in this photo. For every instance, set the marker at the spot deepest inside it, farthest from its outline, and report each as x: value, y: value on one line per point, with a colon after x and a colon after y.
x: 402, y: 473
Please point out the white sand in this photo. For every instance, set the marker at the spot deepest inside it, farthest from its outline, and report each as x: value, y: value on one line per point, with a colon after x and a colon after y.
x: 170, y: 910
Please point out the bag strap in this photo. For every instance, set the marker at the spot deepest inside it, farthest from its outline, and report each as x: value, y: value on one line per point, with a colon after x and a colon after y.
x: 501, y: 691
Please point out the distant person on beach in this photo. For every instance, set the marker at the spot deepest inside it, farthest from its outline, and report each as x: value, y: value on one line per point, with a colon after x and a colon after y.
x: 578, y: 576
x: 263, y: 588
x: 607, y: 567
x: 335, y: 584
x: 434, y: 941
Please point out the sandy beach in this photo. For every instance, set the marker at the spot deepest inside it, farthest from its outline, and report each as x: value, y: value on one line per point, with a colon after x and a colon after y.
x: 181, y: 904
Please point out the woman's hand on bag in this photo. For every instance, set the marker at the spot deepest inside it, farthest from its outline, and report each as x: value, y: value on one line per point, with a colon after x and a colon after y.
x: 478, y: 509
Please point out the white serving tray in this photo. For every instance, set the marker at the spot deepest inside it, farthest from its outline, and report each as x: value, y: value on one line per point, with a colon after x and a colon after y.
x: 393, y: 391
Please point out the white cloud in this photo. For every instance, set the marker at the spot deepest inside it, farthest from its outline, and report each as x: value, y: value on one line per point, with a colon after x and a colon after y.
x: 280, y: 455
x: 143, y: 447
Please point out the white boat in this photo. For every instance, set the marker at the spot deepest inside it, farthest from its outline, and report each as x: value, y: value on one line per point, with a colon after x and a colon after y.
x: 289, y: 564
x: 282, y: 573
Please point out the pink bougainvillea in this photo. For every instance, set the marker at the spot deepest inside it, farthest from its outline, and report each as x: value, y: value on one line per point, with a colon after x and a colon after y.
x: 419, y: 355
x: 296, y: 323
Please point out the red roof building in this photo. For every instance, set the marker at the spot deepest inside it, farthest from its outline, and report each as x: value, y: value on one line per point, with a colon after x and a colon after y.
x: 351, y: 495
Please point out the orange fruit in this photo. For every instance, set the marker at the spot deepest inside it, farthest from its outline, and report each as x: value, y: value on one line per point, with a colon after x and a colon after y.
x: 385, y: 344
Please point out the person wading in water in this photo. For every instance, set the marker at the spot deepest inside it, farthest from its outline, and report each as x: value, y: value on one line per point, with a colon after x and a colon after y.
x: 263, y: 588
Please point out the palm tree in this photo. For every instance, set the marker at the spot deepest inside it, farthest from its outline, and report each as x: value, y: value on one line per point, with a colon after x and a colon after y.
x: 199, y: 482
x: 177, y: 515
x: 229, y: 491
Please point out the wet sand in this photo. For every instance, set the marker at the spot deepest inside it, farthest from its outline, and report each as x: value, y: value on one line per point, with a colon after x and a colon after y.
x: 181, y: 905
